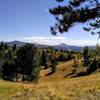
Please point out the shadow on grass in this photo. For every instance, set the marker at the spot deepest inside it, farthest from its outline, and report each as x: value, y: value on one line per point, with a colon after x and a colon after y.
x: 75, y: 74
x: 50, y: 73
x: 69, y: 74
x: 80, y: 74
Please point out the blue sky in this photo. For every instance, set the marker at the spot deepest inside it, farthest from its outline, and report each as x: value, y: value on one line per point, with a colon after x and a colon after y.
x: 27, y: 19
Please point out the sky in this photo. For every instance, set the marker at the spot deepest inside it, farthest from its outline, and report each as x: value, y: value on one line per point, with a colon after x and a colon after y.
x: 30, y: 21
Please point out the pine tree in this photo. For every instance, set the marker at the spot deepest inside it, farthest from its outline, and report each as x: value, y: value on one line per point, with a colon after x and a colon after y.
x: 44, y: 59
x: 14, y: 47
x: 8, y: 70
x: 36, y: 66
x: 2, y: 46
x: 6, y: 46
x: 76, y: 11
x: 24, y: 60
x: 86, y: 56
x: 53, y: 65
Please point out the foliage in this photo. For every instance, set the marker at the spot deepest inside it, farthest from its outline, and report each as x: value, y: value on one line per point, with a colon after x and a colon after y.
x: 8, y: 70
x: 75, y: 61
x: 86, y: 56
x: 53, y: 65
x: 63, y: 56
x: 44, y: 59
x: 24, y: 63
x: 70, y: 55
x: 94, y: 65
x: 97, y: 51
x: 36, y: 66
x: 76, y: 11
x: 27, y: 62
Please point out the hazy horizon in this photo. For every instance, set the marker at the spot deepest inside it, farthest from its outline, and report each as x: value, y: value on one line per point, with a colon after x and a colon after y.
x: 54, y: 41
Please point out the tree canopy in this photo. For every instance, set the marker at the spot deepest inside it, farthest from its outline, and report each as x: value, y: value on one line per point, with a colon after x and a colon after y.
x: 76, y: 11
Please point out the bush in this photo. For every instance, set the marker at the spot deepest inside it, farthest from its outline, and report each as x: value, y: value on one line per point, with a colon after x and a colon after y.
x: 53, y: 65
x: 95, y: 64
x: 62, y: 56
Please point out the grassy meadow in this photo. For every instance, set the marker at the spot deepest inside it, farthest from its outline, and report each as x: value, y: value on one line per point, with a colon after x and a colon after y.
x: 54, y: 87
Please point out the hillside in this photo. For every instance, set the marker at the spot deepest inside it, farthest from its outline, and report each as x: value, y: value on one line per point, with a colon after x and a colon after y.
x: 58, y: 86
x: 64, y: 70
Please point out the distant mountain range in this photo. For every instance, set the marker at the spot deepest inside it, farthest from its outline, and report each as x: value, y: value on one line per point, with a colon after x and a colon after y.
x: 58, y: 47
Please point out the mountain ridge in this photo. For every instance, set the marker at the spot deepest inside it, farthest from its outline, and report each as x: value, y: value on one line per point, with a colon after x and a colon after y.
x: 62, y: 46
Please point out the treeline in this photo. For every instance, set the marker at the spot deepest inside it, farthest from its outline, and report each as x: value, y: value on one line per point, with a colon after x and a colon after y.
x: 19, y: 62
x: 24, y: 63
x: 91, y: 59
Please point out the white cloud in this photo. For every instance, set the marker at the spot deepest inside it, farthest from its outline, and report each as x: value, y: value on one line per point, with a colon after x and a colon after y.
x: 57, y: 40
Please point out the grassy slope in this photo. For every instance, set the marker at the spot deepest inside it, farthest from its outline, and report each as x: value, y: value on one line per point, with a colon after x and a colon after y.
x: 54, y: 87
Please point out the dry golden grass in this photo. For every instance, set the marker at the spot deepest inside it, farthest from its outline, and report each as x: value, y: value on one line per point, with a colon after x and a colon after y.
x: 54, y: 87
